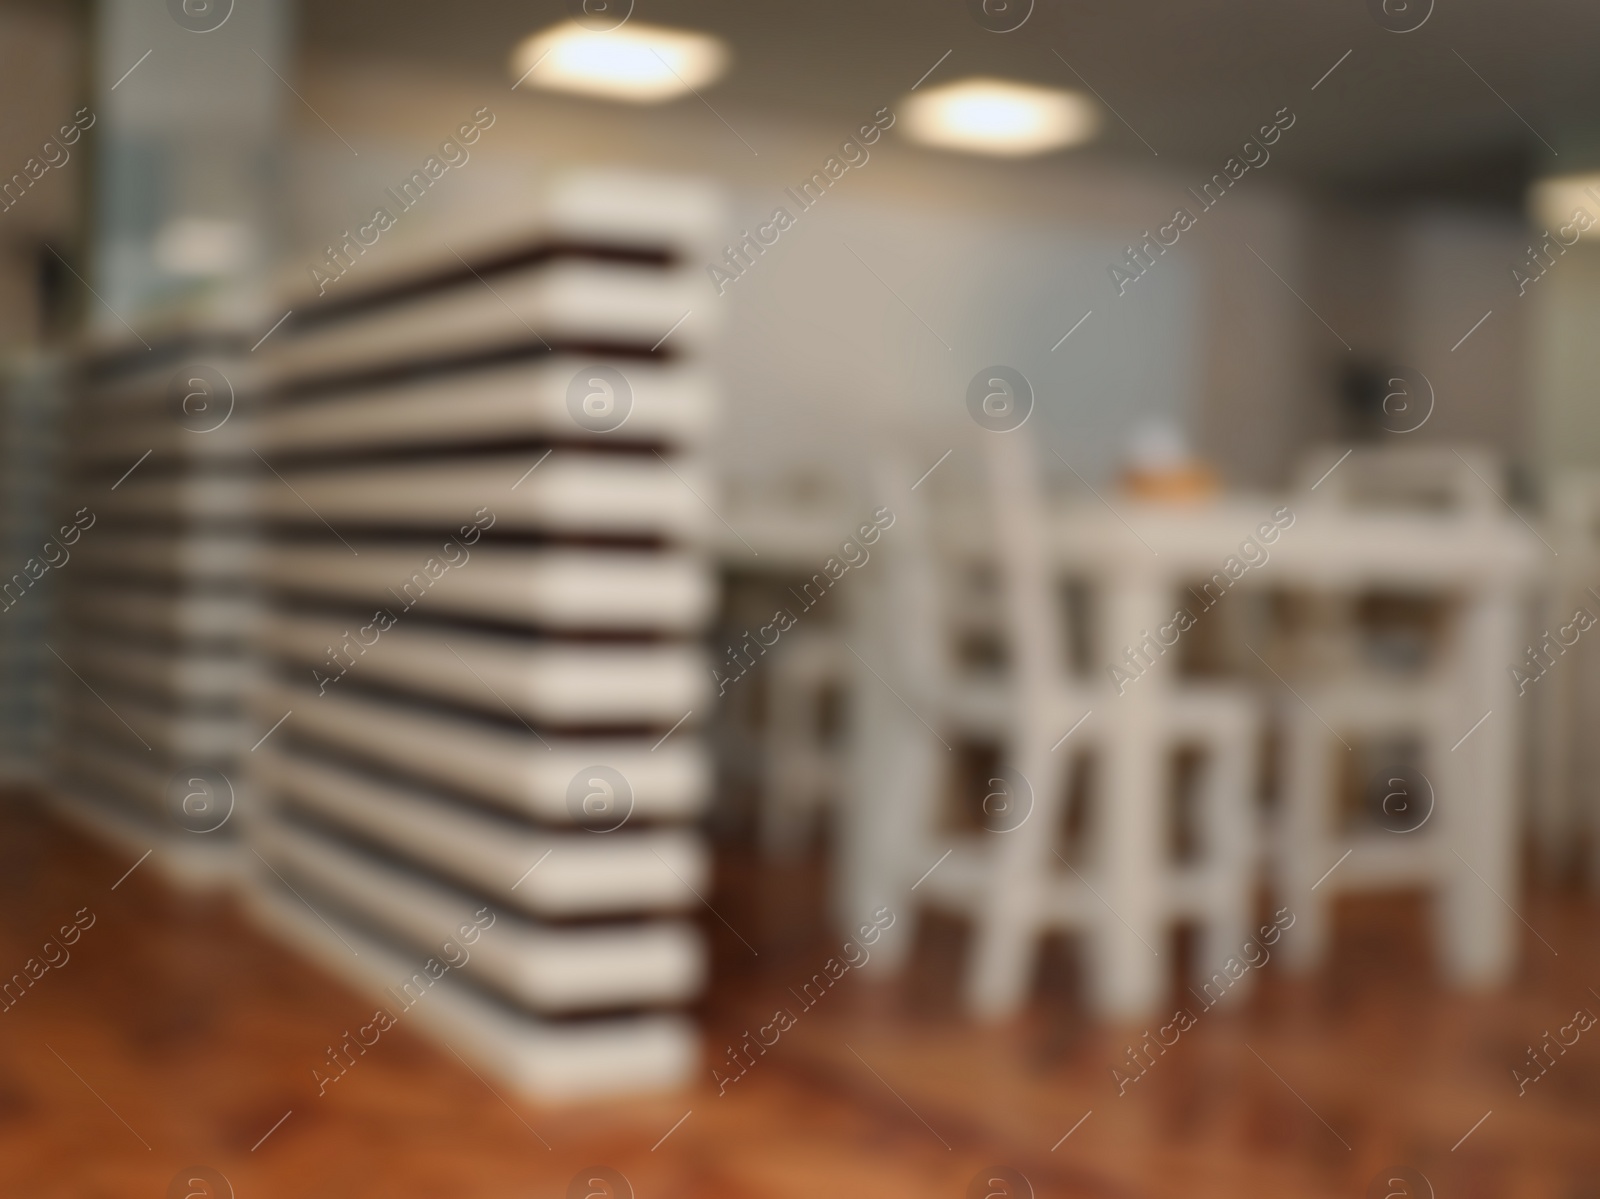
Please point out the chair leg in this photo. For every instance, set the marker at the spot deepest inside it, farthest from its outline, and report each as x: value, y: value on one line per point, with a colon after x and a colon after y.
x: 1011, y: 916
x: 1309, y: 827
x: 885, y: 821
x: 1556, y: 694
x: 1228, y: 799
x: 1001, y: 967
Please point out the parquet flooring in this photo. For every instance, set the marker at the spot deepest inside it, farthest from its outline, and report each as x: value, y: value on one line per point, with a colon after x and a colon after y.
x: 176, y: 1036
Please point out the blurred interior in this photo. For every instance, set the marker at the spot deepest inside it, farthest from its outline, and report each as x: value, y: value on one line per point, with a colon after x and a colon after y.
x: 974, y: 598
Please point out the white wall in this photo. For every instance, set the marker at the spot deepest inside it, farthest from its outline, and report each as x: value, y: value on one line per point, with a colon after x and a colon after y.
x: 1455, y: 268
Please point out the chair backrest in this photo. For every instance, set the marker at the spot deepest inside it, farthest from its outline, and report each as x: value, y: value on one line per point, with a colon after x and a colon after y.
x: 993, y: 515
x: 914, y: 594
x: 1027, y: 582
x: 1444, y: 479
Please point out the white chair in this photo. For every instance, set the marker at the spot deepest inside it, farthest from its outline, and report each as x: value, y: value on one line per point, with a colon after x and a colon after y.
x: 1009, y: 880
x: 805, y: 676
x: 1353, y: 690
x: 803, y: 762
x: 1322, y: 730
x: 1440, y: 480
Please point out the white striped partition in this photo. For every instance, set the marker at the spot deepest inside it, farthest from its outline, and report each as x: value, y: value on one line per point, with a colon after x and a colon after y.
x: 30, y: 416
x: 152, y: 609
x: 487, y: 572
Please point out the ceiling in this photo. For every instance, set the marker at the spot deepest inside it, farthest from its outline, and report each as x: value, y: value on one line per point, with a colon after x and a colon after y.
x: 1470, y: 105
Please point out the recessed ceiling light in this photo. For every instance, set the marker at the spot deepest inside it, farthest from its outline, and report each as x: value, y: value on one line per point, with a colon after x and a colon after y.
x: 1557, y: 203
x: 642, y: 63
x: 996, y: 116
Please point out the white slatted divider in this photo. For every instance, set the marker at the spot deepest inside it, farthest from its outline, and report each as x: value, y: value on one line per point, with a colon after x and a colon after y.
x: 30, y: 415
x: 486, y: 596
x: 152, y: 633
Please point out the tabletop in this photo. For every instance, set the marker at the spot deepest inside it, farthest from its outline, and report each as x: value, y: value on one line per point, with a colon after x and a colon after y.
x: 1276, y: 538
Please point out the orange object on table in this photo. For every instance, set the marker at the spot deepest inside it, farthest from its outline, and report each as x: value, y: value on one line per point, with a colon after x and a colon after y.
x: 1183, y: 483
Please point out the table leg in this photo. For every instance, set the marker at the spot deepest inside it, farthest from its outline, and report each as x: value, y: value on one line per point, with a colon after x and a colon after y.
x: 1130, y: 971
x: 1479, y: 928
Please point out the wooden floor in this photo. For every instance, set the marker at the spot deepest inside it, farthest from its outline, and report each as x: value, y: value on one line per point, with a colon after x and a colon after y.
x: 177, y: 1037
